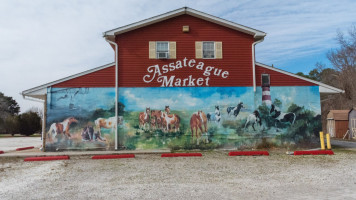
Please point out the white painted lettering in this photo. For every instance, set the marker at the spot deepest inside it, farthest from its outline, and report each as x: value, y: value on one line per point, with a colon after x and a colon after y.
x: 208, y: 70
x: 225, y: 74
x: 165, y: 82
x: 191, y: 63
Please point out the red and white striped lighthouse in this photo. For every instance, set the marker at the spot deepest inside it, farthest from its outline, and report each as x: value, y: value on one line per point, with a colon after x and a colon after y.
x: 266, y: 96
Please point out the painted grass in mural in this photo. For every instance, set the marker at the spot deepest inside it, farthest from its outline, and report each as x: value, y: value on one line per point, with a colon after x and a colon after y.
x: 80, y: 118
x: 211, y: 117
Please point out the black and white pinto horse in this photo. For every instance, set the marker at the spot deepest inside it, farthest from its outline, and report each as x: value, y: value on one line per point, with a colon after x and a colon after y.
x: 281, y: 117
x: 214, y: 116
x: 234, y: 110
x: 252, y: 119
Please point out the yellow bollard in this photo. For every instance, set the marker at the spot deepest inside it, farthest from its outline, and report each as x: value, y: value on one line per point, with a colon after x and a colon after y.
x: 322, y: 142
x: 328, y: 141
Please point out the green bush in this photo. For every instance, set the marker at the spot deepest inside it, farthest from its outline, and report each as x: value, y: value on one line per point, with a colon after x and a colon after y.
x: 29, y: 123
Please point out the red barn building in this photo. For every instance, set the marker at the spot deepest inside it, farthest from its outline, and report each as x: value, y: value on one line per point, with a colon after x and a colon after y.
x: 183, y: 79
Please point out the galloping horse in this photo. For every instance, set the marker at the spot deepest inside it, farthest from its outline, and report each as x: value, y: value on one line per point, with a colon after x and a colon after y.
x: 252, y: 119
x: 281, y: 117
x: 144, y: 118
x: 61, y: 127
x: 169, y: 120
x: 234, y: 111
x: 196, y: 122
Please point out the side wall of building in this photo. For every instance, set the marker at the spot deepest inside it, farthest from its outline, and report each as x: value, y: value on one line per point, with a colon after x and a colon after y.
x: 182, y: 117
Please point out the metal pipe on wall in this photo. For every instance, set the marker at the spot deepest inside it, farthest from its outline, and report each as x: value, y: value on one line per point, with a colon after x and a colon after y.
x: 253, y: 63
x: 116, y: 90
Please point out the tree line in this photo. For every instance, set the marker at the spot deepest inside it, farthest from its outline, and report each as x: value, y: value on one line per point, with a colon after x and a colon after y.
x: 12, y: 122
x: 341, y: 74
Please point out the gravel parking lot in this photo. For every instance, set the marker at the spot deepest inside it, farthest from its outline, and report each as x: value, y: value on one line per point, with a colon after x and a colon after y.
x: 213, y: 176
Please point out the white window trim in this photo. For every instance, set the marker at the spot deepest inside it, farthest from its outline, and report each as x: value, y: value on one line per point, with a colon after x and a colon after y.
x: 167, y: 50
x: 202, y: 50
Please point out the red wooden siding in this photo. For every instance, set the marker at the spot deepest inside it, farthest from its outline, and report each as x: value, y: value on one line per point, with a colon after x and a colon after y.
x: 134, y: 50
x: 279, y: 79
x: 101, y: 78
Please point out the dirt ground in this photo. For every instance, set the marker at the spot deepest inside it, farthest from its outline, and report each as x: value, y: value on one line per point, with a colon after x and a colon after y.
x: 213, y: 176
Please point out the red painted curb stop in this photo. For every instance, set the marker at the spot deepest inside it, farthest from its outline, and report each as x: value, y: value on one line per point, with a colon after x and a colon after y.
x: 181, y: 154
x: 248, y: 153
x: 113, y: 156
x: 1, y: 152
x: 47, y: 158
x: 315, y: 152
x: 24, y: 148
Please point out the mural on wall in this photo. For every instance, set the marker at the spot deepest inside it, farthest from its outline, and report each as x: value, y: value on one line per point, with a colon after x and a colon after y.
x: 218, y: 117
x: 80, y: 118
x: 182, y: 117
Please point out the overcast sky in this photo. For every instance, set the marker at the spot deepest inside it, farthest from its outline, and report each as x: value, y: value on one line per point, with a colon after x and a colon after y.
x: 45, y: 40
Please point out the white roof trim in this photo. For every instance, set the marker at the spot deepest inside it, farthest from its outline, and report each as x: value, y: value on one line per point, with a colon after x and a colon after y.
x: 41, y: 90
x: 324, y: 88
x: 185, y: 10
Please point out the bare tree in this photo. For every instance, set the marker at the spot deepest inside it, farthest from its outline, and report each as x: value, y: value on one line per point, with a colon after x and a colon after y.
x: 343, y: 60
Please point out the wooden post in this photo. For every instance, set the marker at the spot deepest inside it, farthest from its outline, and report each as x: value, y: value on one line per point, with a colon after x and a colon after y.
x: 322, y: 142
x: 328, y: 141
x: 44, y: 134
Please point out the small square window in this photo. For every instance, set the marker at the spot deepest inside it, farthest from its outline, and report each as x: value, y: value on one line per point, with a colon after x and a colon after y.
x: 265, y: 80
x: 208, y: 50
x: 162, y: 50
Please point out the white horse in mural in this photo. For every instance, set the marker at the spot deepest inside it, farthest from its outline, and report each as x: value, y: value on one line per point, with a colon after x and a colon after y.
x: 61, y: 127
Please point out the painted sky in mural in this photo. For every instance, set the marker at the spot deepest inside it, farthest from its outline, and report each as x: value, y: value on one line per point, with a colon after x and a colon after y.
x: 136, y: 99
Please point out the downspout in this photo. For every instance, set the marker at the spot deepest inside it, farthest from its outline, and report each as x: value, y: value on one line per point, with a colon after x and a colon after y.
x: 253, y: 63
x: 116, y: 88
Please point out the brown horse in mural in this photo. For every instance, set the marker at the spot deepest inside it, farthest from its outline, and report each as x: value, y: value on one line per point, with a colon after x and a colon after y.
x: 196, y: 122
x: 204, y: 120
x: 170, y: 120
x: 144, y: 118
x: 61, y: 127
x: 167, y: 110
x: 156, y: 116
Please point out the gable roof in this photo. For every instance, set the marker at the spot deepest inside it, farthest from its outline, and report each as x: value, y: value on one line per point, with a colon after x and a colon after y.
x: 323, y: 88
x: 258, y: 35
x: 39, y: 91
x: 338, y: 114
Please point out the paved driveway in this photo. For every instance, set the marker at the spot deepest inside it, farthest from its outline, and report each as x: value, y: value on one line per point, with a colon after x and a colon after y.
x: 12, y: 143
x: 343, y: 143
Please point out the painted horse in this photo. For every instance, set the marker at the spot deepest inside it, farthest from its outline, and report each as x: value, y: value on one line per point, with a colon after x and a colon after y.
x: 252, y: 119
x: 144, y: 118
x: 234, y: 111
x: 170, y: 120
x: 156, y: 117
x: 214, y: 116
x: 204, y: 120
x: 195, y: 123
x: 61, y: 127
x: 281, y: 117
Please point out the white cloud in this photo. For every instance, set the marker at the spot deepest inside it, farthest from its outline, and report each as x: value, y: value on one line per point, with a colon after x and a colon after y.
x: 42, y: 41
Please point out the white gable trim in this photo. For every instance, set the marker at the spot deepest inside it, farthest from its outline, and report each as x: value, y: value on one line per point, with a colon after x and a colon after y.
x: 185, y: 10
x: 39, y: 91
x: 323, y: 88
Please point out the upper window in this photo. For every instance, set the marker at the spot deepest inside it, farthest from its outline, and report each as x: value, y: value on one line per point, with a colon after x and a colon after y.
x: 265, y: 80
x: 208, y: 50
x: 162, y: 50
